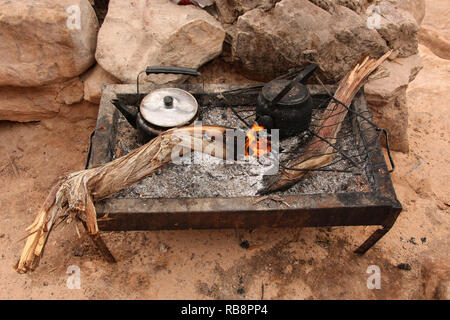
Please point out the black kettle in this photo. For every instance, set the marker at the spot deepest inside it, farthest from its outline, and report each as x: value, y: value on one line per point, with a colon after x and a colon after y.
x: 286, y: 104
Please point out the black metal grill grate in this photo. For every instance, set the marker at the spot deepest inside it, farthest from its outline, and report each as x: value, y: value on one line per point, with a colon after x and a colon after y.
x: 347, y: 158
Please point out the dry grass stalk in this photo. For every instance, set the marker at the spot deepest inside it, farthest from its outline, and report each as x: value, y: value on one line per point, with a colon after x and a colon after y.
x: 73, y: 197
x: 319, y: 153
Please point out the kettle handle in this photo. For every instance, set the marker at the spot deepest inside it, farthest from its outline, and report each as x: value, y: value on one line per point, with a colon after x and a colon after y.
x: 302, y: 77
x: 167, y: 70
x: 172, y: 70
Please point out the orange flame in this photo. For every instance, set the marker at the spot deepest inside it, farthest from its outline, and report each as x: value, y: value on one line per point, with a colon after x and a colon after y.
x: 255, y: 145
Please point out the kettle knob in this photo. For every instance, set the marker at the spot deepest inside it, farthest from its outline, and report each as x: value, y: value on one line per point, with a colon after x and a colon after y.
x: 168, y: 102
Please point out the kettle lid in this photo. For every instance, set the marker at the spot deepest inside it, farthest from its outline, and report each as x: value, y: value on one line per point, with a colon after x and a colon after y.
x: 297, y: 94
x: 168, y: 107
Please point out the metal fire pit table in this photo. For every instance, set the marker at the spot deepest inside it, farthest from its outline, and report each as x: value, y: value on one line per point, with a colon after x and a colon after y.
x: 376, y: 206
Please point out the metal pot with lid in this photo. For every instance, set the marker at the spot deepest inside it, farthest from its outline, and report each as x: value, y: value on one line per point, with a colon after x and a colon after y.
x: 162, y: 108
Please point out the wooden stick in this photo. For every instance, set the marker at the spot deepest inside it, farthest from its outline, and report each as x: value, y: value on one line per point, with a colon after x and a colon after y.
x: 318, y: 152
x: 75, y: 194
x: 102, y: 247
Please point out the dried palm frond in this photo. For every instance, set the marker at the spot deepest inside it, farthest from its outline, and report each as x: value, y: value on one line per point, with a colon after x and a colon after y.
x: 72, y: 197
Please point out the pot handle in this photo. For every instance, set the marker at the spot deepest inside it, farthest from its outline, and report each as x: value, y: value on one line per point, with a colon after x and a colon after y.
x: 172, y: 70
x: 167, y: 70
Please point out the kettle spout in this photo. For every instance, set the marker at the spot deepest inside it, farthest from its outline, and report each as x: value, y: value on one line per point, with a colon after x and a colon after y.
x: 129, y: 112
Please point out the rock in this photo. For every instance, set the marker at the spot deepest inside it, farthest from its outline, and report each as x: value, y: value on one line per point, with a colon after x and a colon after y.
x: 415, y: 7
x: 400, y: 72
x: 71, y: 92
x: 163, y: 247
x: 139, y: 34
x: 393, y: 117
x: 330, y: 5
x: 436, y: 279
x: 27, y: 104
x: 404, y: 266
x: 37, y: 46
x: 230, y: 10
x: 436, y: 42
x: 355, y: 5
x: 288, y: 269
x: 387, y: 99
x: 93, y: 81
x: 399, y: 29
x: 36, y: 103
x: 327, y: 5
x: 297, y: 32
x: 245, y: 244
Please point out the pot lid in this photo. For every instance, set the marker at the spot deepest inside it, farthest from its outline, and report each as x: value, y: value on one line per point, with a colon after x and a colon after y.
x: 298, y: 93
x: 168, y: 107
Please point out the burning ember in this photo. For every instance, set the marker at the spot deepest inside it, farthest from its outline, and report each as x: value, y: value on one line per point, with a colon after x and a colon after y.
x: 255, y: 144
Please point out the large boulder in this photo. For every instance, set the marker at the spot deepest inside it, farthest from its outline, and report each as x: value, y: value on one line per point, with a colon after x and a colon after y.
x: 393, y: 77
x: 297, y: 32
x: 386, y: 97
x: 147, y: 33
x: 330, y: 5
x: 355, y: 5
x: 415, y: 7
x: 40, y: 41
x: 399, y: 29
x: 37, y: 103
x: 230, y: 10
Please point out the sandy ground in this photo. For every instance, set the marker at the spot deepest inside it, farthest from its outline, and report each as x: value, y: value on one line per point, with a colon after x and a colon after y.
x: 315, y: 263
